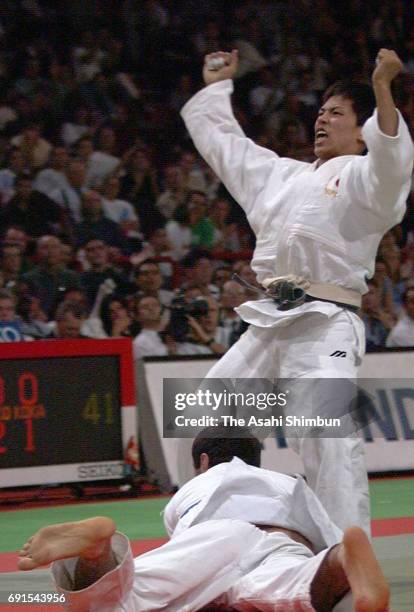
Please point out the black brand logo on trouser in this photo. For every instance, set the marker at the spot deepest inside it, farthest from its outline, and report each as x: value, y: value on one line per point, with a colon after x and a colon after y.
x: 338, y: 354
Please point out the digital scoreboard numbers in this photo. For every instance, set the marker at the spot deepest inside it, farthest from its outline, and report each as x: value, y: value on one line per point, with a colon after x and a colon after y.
x: 63, y: 410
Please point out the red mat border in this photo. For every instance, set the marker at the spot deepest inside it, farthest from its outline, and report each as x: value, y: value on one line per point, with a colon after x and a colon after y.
x: 380, y: 528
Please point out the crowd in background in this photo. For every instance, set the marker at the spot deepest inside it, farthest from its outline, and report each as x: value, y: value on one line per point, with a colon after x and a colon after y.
x: 110, y: 222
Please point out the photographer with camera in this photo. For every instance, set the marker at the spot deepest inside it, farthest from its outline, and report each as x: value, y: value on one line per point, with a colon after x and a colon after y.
x: 194, y: 328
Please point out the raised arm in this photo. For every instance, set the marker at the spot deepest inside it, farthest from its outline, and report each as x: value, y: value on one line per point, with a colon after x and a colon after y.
x: 388, y: 65
x: 384, y: 177
x: 243, y: 166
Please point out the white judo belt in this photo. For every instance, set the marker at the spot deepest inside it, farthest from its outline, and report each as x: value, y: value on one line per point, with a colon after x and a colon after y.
x: 291, y: 291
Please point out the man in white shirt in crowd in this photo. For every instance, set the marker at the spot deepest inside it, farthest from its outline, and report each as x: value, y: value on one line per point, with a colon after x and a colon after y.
x: 99, y: 165
x: 241, y: 538
x: 35, y: 149
x: 318, y: 226
x: 69, y: 196
x: 148, y: 313
x: 120, y: 211
x: 403, y: 332
x: 174, y: 192
x: 148, y: 280
x: 53, y: 177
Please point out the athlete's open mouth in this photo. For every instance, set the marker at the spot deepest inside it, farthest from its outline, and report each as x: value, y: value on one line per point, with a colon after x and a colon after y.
x: 320, y: 135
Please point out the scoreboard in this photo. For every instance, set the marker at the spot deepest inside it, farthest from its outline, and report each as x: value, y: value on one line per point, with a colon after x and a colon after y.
x: 67, y: 410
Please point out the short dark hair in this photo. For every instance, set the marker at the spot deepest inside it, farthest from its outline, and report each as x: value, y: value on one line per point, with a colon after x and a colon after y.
x: 360, y: 94
x: 407, y: 293
x: 5, y: 294
x: 222, y: 443
x: 72, y: 308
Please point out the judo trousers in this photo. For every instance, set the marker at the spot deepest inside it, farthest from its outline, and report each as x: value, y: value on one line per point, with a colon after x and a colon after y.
x: 228, y: 562
x: 316, y: 356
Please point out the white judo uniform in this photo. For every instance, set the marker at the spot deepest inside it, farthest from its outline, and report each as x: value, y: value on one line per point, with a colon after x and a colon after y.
x: 216, y: 553
x: 323, y: 224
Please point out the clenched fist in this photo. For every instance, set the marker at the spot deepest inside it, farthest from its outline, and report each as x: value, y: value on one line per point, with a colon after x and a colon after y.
x: 388, y: 66
x: 227, y: 71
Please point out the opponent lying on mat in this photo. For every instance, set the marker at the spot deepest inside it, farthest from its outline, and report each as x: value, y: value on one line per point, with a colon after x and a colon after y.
x: 242, y: 538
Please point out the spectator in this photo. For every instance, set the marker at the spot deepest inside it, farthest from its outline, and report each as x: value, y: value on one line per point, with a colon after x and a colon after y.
x: 100, y: 269
x: 140, y: 187
x: 76, y: 296
x: 99, y: 165
x: 246, y: 273
x: 173, y: 194
x: 226, y: 234
x: 384, y: 285
x: 33, y: 320
x: 161, y: 248
x: 69, y: 196
x: 179, y: 233
x: 149, y: 315
x: 53, y: 178
x: 69, y: 319
x: 115, y: 317
x: 15, y: 166
x: 49, y: 279
x: 148, y: 281
x: 14, y: 328
x: 221, y: 275
x: 202, y: 228
x: 35, y: 149
x: 213, y: 183
x: 16, y: 236
x: 377, y: 322
x: 11, y: 266
x: 96, y: 226
x: 192, y: 176
x: 199, y: 273
x: 72, y: 131
x: 120, y: 211
x: 107, y: 141
x: 392, y: 259
x: 403, y: 332
x: 88, y: 57
x: 34, y: 212
x: 266, y: 96
x: 10, y: 328
x: 206, y: 337
x: 8, y: 115
x: 233, y: 295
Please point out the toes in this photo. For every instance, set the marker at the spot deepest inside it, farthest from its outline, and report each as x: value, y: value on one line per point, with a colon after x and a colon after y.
x: 26, y: 563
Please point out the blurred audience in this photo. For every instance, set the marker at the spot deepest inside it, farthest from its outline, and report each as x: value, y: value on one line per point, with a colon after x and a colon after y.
x: 403, y: 332
x: 102, y: 195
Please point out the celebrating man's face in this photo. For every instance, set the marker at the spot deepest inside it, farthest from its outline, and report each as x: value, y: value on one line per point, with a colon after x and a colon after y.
x: 336, y: 130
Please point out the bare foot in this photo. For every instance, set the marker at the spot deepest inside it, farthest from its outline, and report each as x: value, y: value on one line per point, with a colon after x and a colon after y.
x: 87, y: 539
x: 369, y: 587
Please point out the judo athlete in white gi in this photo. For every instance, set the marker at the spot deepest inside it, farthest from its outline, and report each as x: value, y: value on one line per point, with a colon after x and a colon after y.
x: 319, y: 225
x: 242, y: 538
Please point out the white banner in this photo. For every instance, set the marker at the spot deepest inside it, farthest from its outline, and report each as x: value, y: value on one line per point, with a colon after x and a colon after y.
x: 387, y: 377
x: 70, y: 472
